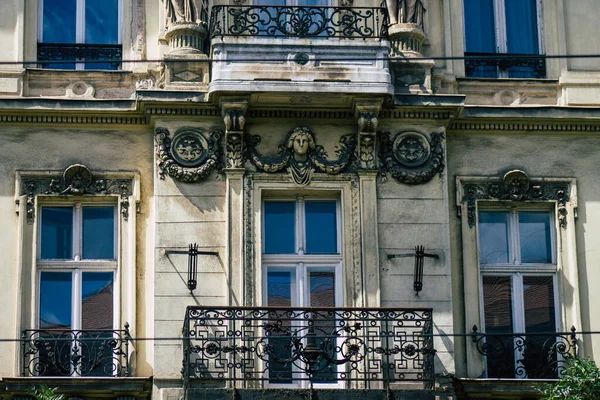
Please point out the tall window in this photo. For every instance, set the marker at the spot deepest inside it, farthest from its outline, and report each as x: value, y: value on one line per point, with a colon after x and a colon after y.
x: 497, y: 30
x: 518, y: 276
x: 80, y: 30
x: 302, y: 263
x: 77, y: 263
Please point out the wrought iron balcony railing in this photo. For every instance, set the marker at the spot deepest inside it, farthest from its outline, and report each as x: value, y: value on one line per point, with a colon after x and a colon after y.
x: 527, y: 356
x: 52, y: 352
x: 350, y: 347
x: 104, y: 56
x: 299, y: 22
x: 517, y: 65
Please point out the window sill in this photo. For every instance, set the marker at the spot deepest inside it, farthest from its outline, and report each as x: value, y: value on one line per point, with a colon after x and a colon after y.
x: 500, y: 388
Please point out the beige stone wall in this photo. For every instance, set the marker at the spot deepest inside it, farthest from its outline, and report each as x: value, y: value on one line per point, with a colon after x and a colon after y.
x: 53, y: 148
x: 540, y: 154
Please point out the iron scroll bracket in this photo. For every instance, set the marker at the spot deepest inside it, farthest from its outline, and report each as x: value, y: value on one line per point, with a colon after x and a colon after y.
x: 419, y: 256
x: 193, y: 254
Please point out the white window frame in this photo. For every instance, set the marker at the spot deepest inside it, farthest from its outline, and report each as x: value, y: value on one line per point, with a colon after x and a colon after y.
x: 80, y: 25
x: 516, y: 270
x: 300, y: 264
x: 501, y: 31
x: 76, y: 265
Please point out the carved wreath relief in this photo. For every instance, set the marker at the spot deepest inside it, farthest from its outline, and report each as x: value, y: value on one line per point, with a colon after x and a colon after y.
x: 189, y: 156
x: 516, y: 186
x: 411, y: 157
x: 301, y: 156
x: 76, y: 180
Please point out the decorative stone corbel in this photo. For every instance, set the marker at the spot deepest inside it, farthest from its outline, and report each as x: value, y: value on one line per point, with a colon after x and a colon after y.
x: 366, y: 112
x: 234, y: 118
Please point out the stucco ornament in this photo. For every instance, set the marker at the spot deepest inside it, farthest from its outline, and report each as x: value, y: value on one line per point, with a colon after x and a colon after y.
x: 191, y: 155
x: 301, y: 156
x: 76, y: 180
x: 411, y: 157
x: 406, y: 12
x: 515, y: 185
x: 182, y: 11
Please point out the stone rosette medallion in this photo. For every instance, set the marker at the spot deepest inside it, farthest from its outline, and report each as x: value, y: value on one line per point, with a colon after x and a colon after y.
x: 411, y: 157
x: 190, y: 155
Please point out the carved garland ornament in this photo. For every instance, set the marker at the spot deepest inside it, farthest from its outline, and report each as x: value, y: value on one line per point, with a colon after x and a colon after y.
x: 516, y: 186
x: 301, y: 156
x: 77, y: 180
x: 411, y: 157
x: 191, y: 155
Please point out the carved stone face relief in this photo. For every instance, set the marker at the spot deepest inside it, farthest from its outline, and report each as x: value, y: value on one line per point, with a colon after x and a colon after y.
x: 301, y: 156
x: 411, y: 149
x: 411, y: 157
x: 189, y: 148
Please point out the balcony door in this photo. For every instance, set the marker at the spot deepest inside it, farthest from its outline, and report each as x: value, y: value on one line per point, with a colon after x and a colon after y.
x: 302, y: 268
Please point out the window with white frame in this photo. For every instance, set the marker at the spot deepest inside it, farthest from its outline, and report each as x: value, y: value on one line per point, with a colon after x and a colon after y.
x: 87, y: 30
x: 517, y: 256
x: 77, y: 263
x: 504, y: 28
x: 302, y: 264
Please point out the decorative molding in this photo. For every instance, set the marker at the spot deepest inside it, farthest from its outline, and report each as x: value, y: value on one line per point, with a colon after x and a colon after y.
x: 411, y: 157
x: 356, y: 241
x: 249, y: 245
x: 139, y: 27
x: 515, y: 185
x: 204, y: 112
x: 342, y: 114
x: 417, y: 114
x: 366, y: 113
x: 523, y: 126
x: 234, y: 118
x: 191, y: 155
x: 301, y: 156
x: 76, y: 180
x: 74, y: 119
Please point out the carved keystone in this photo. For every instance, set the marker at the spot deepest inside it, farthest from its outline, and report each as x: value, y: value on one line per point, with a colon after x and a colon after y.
x: 234, y: 118
x: 366, y: 113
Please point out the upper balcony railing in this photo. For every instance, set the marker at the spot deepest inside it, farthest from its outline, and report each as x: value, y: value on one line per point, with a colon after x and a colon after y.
x: 488, y: 65
x: 299, y: 22
x: 52, y: 352
x: 526, y: 356
x: 346, y: 347
x: 66, y: 55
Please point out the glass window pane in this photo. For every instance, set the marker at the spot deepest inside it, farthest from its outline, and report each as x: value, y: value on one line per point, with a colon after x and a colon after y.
x: 280, y: 227
x: 97, y: 300
x: 98, y: 233
x: 493, y: 237
x: 479, y: 26
x: 60, y: 21
x: 535, y: 238
x: 280, y: 286
x: 497, y: 306
x: 539, y: 358
x: 55, y: 300
x: 102, y: 21
x: 322, y: 294
x: 521, y: 26
x: 57, y: 233
x: 321, y: 227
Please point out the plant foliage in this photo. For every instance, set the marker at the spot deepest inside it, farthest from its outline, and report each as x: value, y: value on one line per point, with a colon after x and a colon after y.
x: 45, y: 393
x: 581, y: 381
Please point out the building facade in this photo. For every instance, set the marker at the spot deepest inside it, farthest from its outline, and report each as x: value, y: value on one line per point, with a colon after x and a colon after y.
x: 207, y: 199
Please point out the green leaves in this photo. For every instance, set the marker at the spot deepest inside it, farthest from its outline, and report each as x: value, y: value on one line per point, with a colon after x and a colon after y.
x: 581, y: 381
x: 45, y: 393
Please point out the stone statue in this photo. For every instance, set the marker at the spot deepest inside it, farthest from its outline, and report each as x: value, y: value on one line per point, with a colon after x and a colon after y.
x: 183, y: 11
x: 406, y: 12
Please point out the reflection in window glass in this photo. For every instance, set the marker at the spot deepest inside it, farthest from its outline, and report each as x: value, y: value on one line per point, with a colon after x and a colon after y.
x: 280, y: 231
x: 55, y: 300
x: 479, y: 26
x: 538, y: 299
x: 57, y: 233
x: 279, y: 294
x: 534, y: 234
x: 98, y: 233
x: 493, y: 237
x: 97, y: 300
x: 101, y: 21
x: 497, y: 303
x: 60, y: 21
x: 321, y: 231
x: 279, y: 288
x: 521, y: 26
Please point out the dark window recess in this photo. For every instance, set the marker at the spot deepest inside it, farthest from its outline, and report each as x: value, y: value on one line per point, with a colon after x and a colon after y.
x: 65, y: 55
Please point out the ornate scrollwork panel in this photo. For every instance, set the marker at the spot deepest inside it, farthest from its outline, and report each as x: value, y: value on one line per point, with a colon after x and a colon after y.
x: 191, y: 155
x: 516, y: 186
x: 300, y: 156
x: 76, y: 180
x: 411, y: 157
